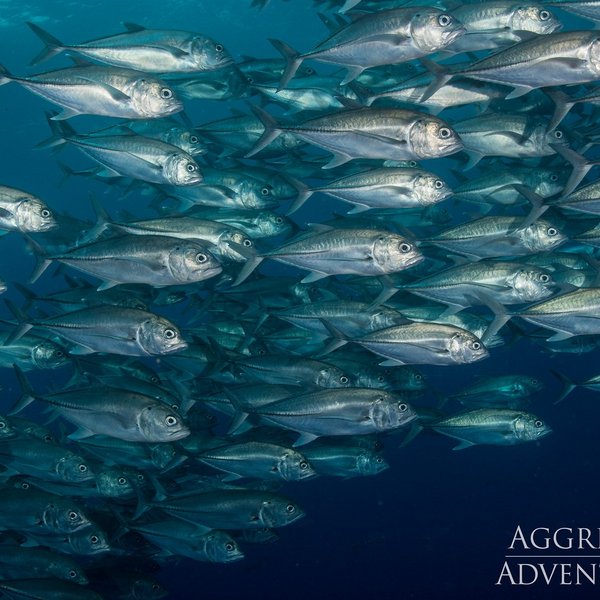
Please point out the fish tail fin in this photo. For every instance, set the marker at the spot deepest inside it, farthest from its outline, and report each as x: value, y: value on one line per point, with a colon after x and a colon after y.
x: 292, y: 58
x: 339, y: 339
x: 27, y: 393
x: 5, y: 76
x: 563, y: 103
x: 60, y: 132
x: 538, y: 208
x: 249, y: 266
x: 413, y: 432
x: 42, y: 259
x: 22, y: 323
x: 52, y: 46
x: 304, y: 193
x: 441, y: 76
x: 272, y: 131
x: 568, y: 386
x: 501, y: 316
x: 581, y: 166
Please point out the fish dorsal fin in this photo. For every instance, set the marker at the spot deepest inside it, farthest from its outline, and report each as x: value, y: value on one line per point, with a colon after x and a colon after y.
x: 133, y: 27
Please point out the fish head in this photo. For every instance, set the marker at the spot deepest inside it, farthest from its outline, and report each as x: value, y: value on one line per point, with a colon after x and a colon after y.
x: 529, y: 428
x: 209, y: 55
x: 162, y: 455
x: 556, y: 137
x: 157, y: 335
x: 534, y: 18
x: 371, y: 463
x: 160, y: 423
x: 64, y: 518
x: 271, y: 224
x: 465, y: 347
x: 388, y: 412
x: 541, y: 236
x: 114, y: 483
x: 220, y: 547
x: 279, y: 511
x: 72, y: 468
x: 32, y: 215
x: 293, y: 466
x: 332, y: 377
x: 393, y: 253
x: 191, y: 143
x: 432, y: 29
x: 192, y: 262
x: 90, y: 541
x: 432, y: 138
x: 594, y: 55
x: 429, y: 189
x: 549, y: 182
x: 531, y: 284
x: 532, y: 384
x: 152, y: 98
x: 147, y: 588
x: 48, y: 355
x: 181, y: 169
x: 67, y: 571
x: 6, y: 429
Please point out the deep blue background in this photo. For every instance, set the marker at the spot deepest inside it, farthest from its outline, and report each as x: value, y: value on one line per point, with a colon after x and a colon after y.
x: 435, y: 525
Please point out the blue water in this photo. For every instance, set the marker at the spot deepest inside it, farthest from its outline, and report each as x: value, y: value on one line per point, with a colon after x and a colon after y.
x: 437, y: 524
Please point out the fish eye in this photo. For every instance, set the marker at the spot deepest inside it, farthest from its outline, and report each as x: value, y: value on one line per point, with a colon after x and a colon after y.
x: 381, y: 379
x: 379, y: 460
x: 418, y: 377
x: 445, y: 132
x: 73, y: 515
x: 476, y: 345
x: 558, y: 134
x: 94, y: 539
x: 201, y: 258
x: 170, y: 421
x: 552, y: 231
x: 265, y: 191
x: 121, y: 481
x: 544, y: 278
x: 344, y: 379
x: 290, y: 508
x: 170, y: 334
x: 72, y: 574
x: 140, y: 477
x: 24, y: 485
x: 544, y: 15
x: 166, y: 93
x: 2, y: 424
x: 194, y: 139
x: 279, y: 220
x: 402, y: 407
x: 404, y: 247
x: 229, y: 547
x: 83, y: 468
x: 539, y: 424
x: 310, y: 71
x: 554, y: 177
x: 303, y: 464
x: 247, y: 243
x: 45, y: 213
x: 444, y: 20
x: 48, y: 438
x: 191, y: 167
x: 156, y: 587
x: 59, y: 353
x: 439, y: 184
x: 219, y: 48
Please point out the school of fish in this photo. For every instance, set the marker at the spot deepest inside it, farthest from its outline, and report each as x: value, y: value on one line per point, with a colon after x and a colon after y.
x: 217, y: 346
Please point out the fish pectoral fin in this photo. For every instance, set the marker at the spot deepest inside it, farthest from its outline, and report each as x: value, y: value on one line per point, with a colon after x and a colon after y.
x: 113, y: 92
x: 339, y: 158
x: 65, y: 113
x: 304, y: 438
x: 80, y: 434
x: 314, y: 276
x: 463, y: 444
x: 560, y: 336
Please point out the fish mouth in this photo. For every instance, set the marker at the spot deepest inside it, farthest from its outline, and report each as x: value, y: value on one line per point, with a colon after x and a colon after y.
x: 179, y: 435
x: 176, y: 347
x: 208, y: 273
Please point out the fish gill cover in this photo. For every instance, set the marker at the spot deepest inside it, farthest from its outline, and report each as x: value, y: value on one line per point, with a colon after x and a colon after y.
x: 265, y: 265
